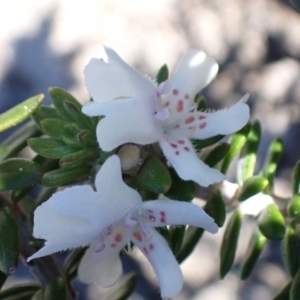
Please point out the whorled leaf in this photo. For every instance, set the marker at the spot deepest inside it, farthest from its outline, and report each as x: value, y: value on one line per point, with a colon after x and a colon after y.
x: 296, y: 179
x: 295, y: 288
x: 217, y: 154
x: 215, y: 207
x: 162, y: 74
x: 19, y: 292
x: 20, y: 112
x: 252, y: 186
x: 293, y: 208
x: 55, y: 290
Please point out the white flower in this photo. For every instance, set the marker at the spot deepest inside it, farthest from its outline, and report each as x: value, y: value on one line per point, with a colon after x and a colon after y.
x: 110, y: 218
x: 138, y: 111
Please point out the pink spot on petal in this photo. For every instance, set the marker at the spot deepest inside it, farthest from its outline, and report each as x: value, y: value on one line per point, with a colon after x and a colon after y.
x: 101, y: 248
x: 151, y: 247
x: 152, y: 218
x: 202, y: 117
x: 186, y: 96
x: 145, y: 250
x: 181, y: 142
x: 189, y: 120
x: 202, y: 125
x: 175, y: 92
x: 177, y: 152
x: 162, y: 213
x: 166, y: 104
x: 180, y: 106
x: 113, y: 245
x: 118, y: 237
x: 138, y: 236
x: 163, y: 220
x: 186, y: 148
x: 173, y: 145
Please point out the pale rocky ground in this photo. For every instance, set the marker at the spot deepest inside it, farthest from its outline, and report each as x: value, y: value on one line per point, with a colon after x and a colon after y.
x: 256, y: 42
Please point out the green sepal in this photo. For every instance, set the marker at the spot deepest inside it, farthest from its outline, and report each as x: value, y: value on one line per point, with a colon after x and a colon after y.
x: 18, y: 140
x: 200, y: 144
x: 252, y: 186
x: 153, y: 176
x: 162, y: 74
x: 229, y: 243
x: 271, y: 223
x: 124, y: 288
x: 217, y: 154
x: 65, y: 176
x: 177, y: 236
x: 180, y: 189
x: 82, y: 155
x: 293, y: 207
x: 238, y: 140
x: 72, y: 262
x: 296, y: 179
x: 20, y: 112
x: 9, y: 242
x: 19, y: 292
x: 254, y: 250
x: 57, y: 289
x: 284, y: 294
x: 45, y: 112
x: 50, y: 148
x: 248, y: 154
x: 17, y: 173
x: 290, y: 251
x: 201, y: 103
x: 3, y: 278
x: 274, y: 155
x: 87, y: 139
x: 55, y: 128
x: 69, y: 108
x: 295, y: 288
x: 190, y: 240
x: 215, y: 207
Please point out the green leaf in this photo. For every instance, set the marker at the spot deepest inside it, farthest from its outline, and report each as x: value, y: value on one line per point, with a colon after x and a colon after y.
x: 162, y: 74
x: 18, y: 140
x: 248, y: 154
x: 50, y: 148
x: 177, y: 236
x: 87, y: 139
x: 81, y: 155
x: 45, y: 112
x: 293, y: 208
x: 274, y: 155
x: 9, y: 242
x: 229, y: 243
x: 290, y: 250
x: 200, y: 144
x: 217, y: 154
x: 2, y: 279
x: 296, y: 179
x: 295, y: 288
x: 19, y: 292
x: 124, y: 289
x: 20, y: 112
x: 153, y: 176
x: 65, y: 176
x: 55, y: 128
x: 53, y: 291
x: 238, y: 140
x: 271, y: 223
x: 69, y: 108
x: 180, y: 189
x: 255, y: 248
x: 191, y: 239
x: 215, y: 207
x: 252, y: 186
x: 72, y: 263
x: 284, y: 294
x: 16, y: 173
x: 201, y: 103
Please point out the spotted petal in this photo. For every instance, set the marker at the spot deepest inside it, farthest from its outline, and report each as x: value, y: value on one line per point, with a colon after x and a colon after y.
x: 101, y: 262
x: 194, y: 72
x: 200, y: 125
x: 164, y: 263
x: 180, y: 153
x: 112, y: 201
x: 171, y: 212
x: 61, y: 231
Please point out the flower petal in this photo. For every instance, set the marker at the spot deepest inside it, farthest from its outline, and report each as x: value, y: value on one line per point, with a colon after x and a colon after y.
x: 163, y: 261
x: 194, y: 72
x: 182, y: 156
x: 112, y: 201
x: 128, y: 121
x: 200, y: 125
x: 171, y: 212
x: 60, y: 231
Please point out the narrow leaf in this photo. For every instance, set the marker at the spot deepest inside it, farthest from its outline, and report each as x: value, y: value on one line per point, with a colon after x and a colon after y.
x: 295, y: 288
x: 45, y: 112
x: 217, y: 154
x: 53, y: 291
x: 20, y: 112
x: 215, y: 207
x: 296, y: 179
x: 162, y: 74
x: 284, y: 294
x: 19, y: 292
x: 252, y: 186
x: 200, y: 144
x: 72, y: 263
x: 293, y: 208
x: 177, y: 236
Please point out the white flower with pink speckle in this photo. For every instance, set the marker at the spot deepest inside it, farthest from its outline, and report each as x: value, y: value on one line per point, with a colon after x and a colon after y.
x: 138, y: 111
x: 109, y: 219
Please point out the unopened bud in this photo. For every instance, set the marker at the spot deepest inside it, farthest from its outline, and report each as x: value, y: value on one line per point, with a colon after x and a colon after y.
x: 130, y: 156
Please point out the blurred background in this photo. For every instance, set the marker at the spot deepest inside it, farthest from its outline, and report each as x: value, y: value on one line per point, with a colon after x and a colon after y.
x: 257, y: 45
